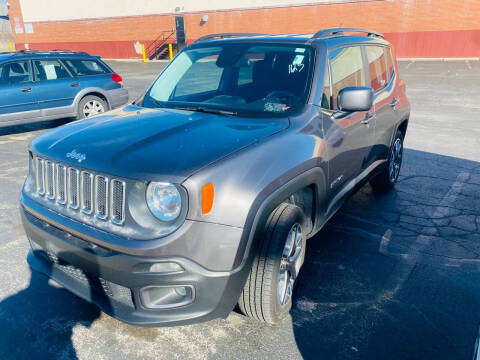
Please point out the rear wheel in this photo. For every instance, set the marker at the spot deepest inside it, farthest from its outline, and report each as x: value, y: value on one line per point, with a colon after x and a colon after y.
x: 267, y: 294
x: 387, y: 179
x: 91, y: 105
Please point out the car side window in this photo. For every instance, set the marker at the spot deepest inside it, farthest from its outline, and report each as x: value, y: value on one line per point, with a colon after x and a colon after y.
x: 80, y: 67
x: 390, y: 62
x: 377, y: 66
x: 326, y: 92
x: 347, y: 69
x: 49, y: 70
x: 15, y: 73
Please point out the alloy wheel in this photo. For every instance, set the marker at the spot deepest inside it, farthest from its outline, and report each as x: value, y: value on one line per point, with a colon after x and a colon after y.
x: 290, y: 264
x: 93, y: 107
x: 395, y: 160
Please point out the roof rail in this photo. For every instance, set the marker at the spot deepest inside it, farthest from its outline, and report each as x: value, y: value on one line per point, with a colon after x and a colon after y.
x: 68, y: 51
x: 24, y: 51
x: 226, y: 35
x: 56, y: 51
x: 331, y: 32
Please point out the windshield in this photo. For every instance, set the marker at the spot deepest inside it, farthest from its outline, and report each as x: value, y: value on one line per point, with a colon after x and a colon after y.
x: 235, y: 79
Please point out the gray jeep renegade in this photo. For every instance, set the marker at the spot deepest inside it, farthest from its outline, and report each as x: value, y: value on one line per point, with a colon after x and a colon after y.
x: 202, y: 193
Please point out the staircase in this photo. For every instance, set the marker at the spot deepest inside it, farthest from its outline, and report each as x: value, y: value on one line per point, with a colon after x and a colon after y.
x: 158, y: 48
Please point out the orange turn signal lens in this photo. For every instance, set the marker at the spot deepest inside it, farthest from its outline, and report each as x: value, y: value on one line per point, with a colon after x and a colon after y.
x: 208, y: 194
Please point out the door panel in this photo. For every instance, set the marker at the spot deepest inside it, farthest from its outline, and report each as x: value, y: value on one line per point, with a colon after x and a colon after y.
x: 54, y: 86
x: 349, y: 140
x: 382, y: 82
x: 17, y: 92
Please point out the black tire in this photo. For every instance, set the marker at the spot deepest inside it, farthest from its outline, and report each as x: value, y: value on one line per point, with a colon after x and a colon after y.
x: 386, y: 180
x: 90, y: 99
x: 260, y: 298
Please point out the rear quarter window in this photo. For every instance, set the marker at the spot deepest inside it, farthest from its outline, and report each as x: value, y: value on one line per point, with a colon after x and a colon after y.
x: 391, y: 61
x: 80, y: 67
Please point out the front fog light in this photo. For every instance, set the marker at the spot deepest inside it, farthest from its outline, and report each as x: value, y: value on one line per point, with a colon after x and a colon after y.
x: 164, y: 297
x: 164, y: 201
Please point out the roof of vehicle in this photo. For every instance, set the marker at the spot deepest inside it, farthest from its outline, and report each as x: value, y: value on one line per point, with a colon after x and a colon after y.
x: 332, y: 37
x: 28, y: 54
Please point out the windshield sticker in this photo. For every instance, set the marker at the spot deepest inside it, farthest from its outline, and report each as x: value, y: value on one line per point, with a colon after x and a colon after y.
x: 275, y: 107
x: 293, y: 68
x: 300, y: 50
x: 298, y: 59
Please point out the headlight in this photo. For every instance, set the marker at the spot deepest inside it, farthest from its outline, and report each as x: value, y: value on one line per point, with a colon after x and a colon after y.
x: 164, y: 201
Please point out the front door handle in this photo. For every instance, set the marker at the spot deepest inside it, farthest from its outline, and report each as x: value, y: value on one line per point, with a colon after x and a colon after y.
x: 367, y: 119
x: 394, y: 103
x: 75, y: 84
x: 25, y: 90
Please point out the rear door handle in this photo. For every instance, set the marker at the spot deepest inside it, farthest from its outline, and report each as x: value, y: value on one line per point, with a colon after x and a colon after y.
x: 25, y: 90
x: 394, y: 103
x: 75, y: 84
x: 367, y: 119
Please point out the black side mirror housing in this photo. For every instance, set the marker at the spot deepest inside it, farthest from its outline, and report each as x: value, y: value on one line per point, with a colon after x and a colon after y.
x: 355, y: 98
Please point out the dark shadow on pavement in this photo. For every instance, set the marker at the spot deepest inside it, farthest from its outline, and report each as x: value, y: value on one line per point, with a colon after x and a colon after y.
x: 37, y: 322
x: 41, y: 125
x: 397, y: 275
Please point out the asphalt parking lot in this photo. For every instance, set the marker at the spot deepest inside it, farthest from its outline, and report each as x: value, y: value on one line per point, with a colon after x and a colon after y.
x: 394, y: 276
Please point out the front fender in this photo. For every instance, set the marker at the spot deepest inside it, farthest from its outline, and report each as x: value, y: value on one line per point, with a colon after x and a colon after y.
x: 272, y: 196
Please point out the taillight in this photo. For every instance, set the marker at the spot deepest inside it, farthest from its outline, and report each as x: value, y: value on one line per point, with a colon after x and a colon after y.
x: 117, y: 78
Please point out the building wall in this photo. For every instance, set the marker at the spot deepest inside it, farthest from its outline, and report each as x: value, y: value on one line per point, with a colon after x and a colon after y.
x: 5, y: 29
x: 417, y: 28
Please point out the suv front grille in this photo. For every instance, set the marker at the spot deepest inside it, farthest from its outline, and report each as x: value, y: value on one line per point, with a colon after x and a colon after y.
x: 95, y: 195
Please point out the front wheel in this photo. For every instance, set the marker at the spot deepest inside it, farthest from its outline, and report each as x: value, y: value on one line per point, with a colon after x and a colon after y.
x: 91, y: 105
x: 267, y: 294
x: 387, y: 179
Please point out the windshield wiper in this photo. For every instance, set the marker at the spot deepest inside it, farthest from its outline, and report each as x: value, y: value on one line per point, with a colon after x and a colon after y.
x: 156, y: 102
x: 206, y: 110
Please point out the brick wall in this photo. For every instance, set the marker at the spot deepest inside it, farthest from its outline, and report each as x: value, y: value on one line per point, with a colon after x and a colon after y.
x: 417, y: 28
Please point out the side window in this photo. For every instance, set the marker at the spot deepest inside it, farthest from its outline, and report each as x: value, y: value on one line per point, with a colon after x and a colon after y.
x: 80, y: 67
x: 377, y: 66
x: 15, y: 73
x: 326, y: 93
x: 49, y: 70
x: 347, y: 69
x: 391, y: 61
x: 194, y: 81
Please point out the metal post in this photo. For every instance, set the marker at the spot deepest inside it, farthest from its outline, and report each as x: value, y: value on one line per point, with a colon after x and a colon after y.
x: 170, y: 51
x: 143, y: 53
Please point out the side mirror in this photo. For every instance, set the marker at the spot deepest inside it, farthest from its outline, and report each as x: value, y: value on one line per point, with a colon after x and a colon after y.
x: 355, y: 98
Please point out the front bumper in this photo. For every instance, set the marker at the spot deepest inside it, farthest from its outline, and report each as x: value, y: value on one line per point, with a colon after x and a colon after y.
x: 112, y: 280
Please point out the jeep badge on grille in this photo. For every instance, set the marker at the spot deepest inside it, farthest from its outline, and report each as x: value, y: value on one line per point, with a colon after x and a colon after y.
x: 76, y: 155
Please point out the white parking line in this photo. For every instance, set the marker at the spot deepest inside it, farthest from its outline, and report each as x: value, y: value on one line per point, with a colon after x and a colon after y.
x: 410, y: 63
x: 385, y: 241
x: 476, y: 353
x: 422, y: 241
